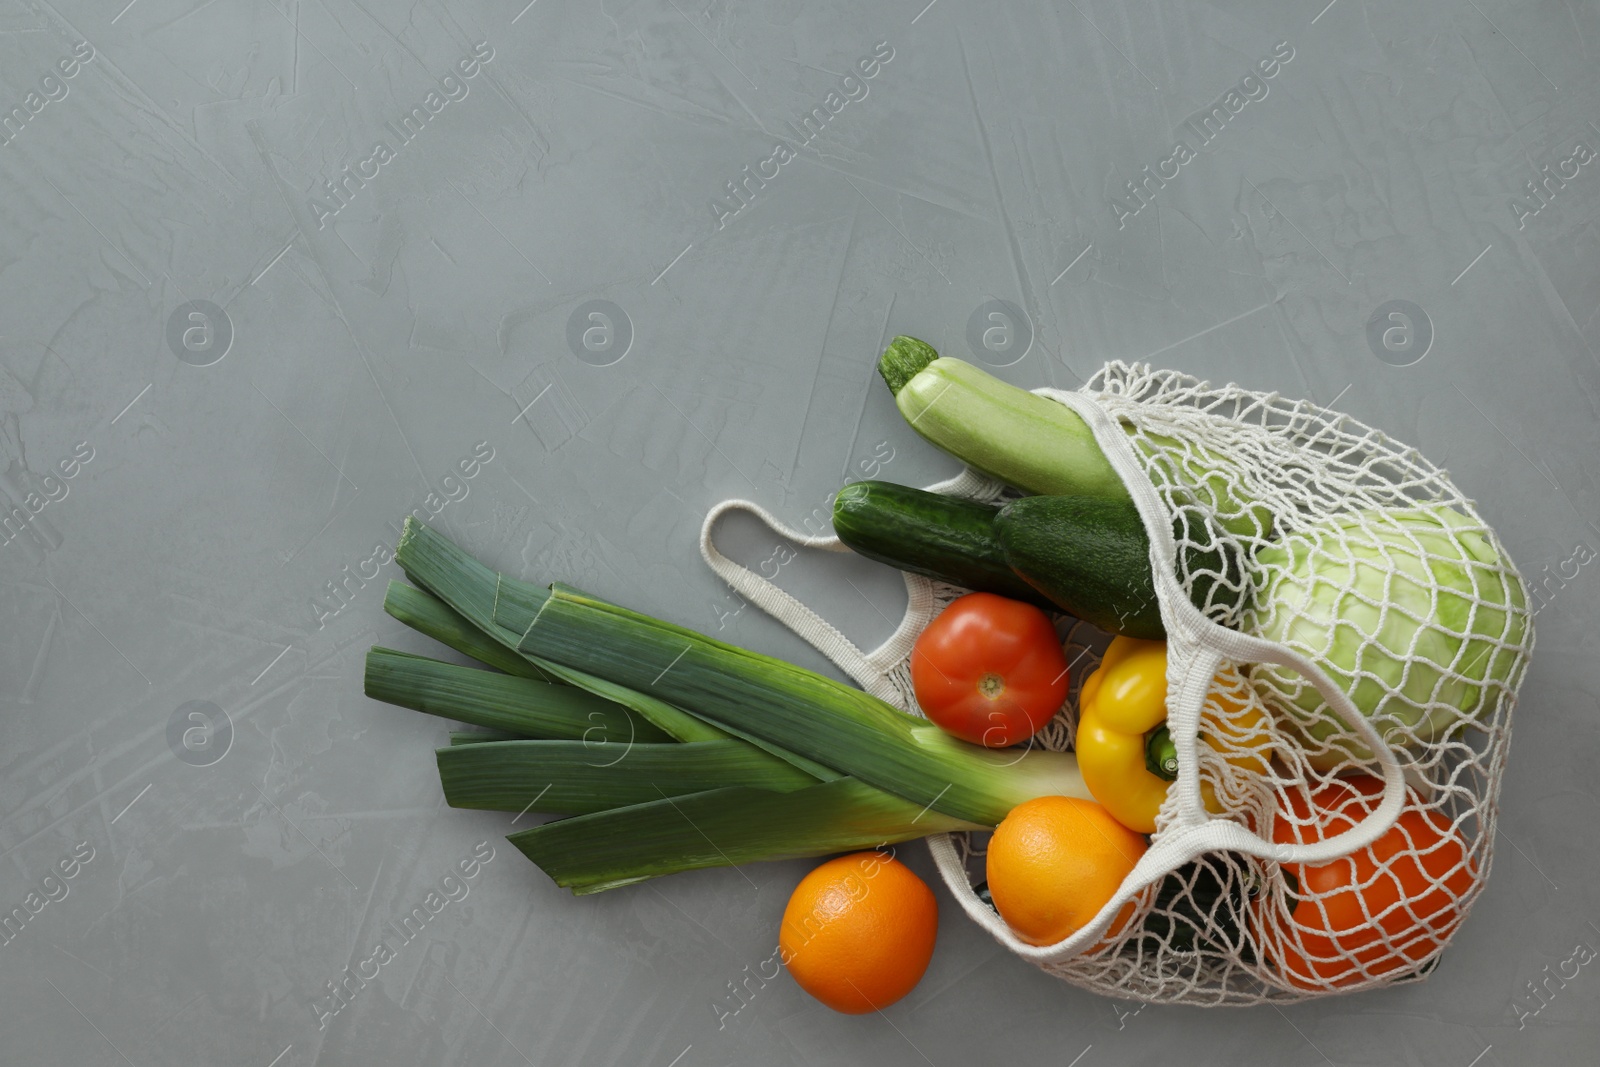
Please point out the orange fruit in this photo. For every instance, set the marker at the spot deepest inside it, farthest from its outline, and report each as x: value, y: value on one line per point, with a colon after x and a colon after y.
x: 858, y: 932
x: 1054, y: 862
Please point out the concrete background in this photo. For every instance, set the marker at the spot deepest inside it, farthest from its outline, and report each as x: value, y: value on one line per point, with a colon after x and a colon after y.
x: 252, y: 379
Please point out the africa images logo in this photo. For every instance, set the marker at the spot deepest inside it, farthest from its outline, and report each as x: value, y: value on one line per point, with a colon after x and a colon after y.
x: 742, y: 191
x: 51, y: 89
x: 1202, y: 128
x: 1541, y: 192
x: 349, y: 983
x: 451, y: 88
x: 15, y: 518
x: 52, y: 889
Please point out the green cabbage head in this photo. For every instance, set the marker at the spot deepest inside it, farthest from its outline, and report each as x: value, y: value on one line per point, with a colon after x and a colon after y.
x: 1413, y: 612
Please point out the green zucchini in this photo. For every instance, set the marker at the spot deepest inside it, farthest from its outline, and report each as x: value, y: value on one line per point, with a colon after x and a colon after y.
x: 1042, y: 446
x: 1021, y: 438
x: 942, y: 537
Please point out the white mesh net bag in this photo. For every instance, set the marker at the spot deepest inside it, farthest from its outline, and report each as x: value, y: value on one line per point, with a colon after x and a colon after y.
x: 1345, y: 638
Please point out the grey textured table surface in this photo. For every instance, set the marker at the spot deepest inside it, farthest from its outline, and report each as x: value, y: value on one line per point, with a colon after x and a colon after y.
x: 272, y: 271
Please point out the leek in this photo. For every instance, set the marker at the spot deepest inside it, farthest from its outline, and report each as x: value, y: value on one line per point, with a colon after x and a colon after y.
x: 670, y: 720
x: 517, y: 604
x: 428, y: 615
x: 478, y: 595
x: 522, y: 706
x: 476, y: 737
x: 797, y: 710
x: 478, y: 598
x: 723, y: 828
x: 576, y: 777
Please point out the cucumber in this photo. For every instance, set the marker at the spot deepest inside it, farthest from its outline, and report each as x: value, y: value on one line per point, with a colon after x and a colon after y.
x: 941, y: 537
x: 1092, y: 557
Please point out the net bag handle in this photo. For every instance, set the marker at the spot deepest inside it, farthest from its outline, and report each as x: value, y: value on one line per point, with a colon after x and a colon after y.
x: 871, y: 669
x: 807, y: 624
x: 811, y: 627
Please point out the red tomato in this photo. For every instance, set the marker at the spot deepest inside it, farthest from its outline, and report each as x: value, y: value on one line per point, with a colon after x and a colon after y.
x: 989, y: 670
x: 1406, y: 887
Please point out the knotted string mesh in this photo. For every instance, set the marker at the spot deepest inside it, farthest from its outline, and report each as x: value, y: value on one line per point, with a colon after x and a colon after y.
x: 1293, y: 527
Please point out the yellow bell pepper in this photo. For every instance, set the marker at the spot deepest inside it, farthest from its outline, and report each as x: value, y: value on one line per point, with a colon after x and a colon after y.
x: 1122, y: 705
